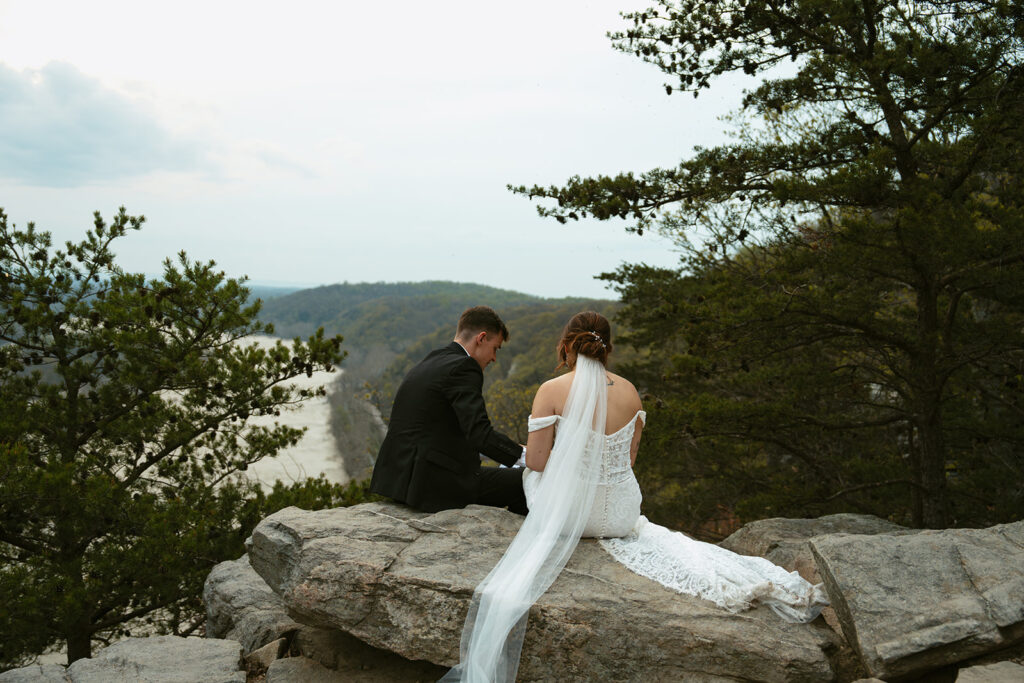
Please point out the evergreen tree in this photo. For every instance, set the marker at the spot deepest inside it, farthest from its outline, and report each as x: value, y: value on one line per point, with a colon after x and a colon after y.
x: 122, y: 433
x: 873, y: 195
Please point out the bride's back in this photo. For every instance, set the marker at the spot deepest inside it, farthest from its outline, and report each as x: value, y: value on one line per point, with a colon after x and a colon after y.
x: 587, y: 334
x: 623, y: 399
x: 615, y: 507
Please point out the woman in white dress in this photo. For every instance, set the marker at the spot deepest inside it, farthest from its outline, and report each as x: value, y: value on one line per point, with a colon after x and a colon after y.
x: 616, y: 506
x: 585, y: 430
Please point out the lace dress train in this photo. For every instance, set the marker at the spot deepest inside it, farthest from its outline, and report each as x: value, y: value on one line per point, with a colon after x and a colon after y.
x: 731, y: 581
x: 673, y: 559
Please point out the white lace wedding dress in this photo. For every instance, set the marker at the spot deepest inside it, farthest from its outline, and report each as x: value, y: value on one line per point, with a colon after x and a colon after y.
x: 587, y: 488
x: 731, y: 581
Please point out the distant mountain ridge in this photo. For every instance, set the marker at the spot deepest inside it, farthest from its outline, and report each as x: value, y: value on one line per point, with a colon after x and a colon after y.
x: 266, y: 292
x: 392, y: 314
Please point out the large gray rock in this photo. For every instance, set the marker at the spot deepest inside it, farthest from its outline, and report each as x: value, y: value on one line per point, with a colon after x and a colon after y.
x: 402, y: 581
x: 240, y: 606
x: 162, y: 659
x: 35, y: 673
x: 784, y: 541
x: 909, y: 603
x: 261, y: 659
x: 1000, y: 672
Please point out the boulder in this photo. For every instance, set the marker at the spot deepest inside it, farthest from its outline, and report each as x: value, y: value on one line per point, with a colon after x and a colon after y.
x: 402, y: 580
x: 162, y: 659
x: 240, y: 606
x: 784, y: 541
x: 1000, y: 672
x: 35, y: 673
x: 261, y: 659
x: 910, y: 603
x: 302, y: 670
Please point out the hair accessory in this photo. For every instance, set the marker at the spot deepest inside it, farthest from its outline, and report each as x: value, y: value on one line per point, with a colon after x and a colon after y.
x: 598, y: 338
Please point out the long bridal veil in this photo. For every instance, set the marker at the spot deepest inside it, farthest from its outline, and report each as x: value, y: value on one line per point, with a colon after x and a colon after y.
x: 492, y: 637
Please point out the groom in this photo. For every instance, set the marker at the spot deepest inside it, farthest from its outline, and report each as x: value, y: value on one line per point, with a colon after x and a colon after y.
x: 430, y: 458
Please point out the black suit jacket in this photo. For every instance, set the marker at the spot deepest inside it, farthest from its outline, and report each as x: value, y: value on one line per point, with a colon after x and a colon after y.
x: 439, y: 425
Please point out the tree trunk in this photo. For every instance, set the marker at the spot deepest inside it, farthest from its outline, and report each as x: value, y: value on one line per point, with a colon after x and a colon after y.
x: 916, y: 497
x: 934, y: 509
x: 927, y: 389
x: 75, y: 617
x: 79, y: 644
x: 77, y: 626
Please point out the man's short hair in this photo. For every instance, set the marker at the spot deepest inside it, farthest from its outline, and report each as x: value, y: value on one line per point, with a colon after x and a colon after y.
x: 480, y: 319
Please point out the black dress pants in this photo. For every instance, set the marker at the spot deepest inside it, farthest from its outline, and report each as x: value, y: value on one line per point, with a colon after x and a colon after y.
x: 502, y: 487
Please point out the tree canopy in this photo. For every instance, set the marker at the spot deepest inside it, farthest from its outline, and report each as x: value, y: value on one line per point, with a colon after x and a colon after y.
x: 123, y: 430
x: 850, y: 297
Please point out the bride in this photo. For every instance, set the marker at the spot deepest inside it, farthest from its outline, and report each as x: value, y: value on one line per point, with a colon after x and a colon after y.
x: 585, y: 429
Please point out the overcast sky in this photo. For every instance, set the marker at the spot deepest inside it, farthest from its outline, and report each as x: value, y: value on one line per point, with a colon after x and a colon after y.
x: 309, y: 143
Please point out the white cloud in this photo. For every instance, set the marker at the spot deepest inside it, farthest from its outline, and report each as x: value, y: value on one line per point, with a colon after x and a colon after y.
x: 62, y: 128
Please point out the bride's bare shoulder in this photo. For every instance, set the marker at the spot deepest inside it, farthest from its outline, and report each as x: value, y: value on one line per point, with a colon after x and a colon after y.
x: 556, y: 385
x: 551, y: 395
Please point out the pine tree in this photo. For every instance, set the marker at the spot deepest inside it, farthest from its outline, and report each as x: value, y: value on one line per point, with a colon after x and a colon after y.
x: 875, y: 185
x: 123, y: 431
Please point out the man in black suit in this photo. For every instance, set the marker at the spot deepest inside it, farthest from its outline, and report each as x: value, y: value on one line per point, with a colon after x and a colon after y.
x: 430, y: 458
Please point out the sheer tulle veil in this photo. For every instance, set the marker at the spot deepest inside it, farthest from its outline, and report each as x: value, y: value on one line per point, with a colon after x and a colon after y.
x: 492, y: 637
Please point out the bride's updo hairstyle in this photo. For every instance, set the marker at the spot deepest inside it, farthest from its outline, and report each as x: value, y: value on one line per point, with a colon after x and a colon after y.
x: 588, y: 334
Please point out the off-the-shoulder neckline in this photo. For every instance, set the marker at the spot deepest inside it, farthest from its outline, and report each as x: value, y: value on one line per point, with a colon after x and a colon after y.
x: 623, y: 427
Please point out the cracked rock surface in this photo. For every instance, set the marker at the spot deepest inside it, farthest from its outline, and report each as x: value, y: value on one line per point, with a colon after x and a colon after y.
x: 402, y: 580
x: 912, y: 603
x: 784, y: 541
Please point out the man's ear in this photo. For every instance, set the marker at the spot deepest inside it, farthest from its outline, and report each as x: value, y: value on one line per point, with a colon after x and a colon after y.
x: 481, y: 337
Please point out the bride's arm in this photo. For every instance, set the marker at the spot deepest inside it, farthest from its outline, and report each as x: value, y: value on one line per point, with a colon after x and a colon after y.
x: 641, y: 420
x: 634, y: 446
x: 538, y: 448
x: 539, y: 443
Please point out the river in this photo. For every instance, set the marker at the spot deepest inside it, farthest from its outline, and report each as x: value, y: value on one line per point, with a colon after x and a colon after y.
x: 316, y: 452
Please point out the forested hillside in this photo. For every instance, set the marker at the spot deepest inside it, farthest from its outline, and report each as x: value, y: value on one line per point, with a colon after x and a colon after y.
x: 392, y: 314
x: 268, y: 292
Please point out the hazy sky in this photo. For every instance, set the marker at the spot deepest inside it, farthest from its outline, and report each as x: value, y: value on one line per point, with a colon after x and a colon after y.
x: 314, y: 142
